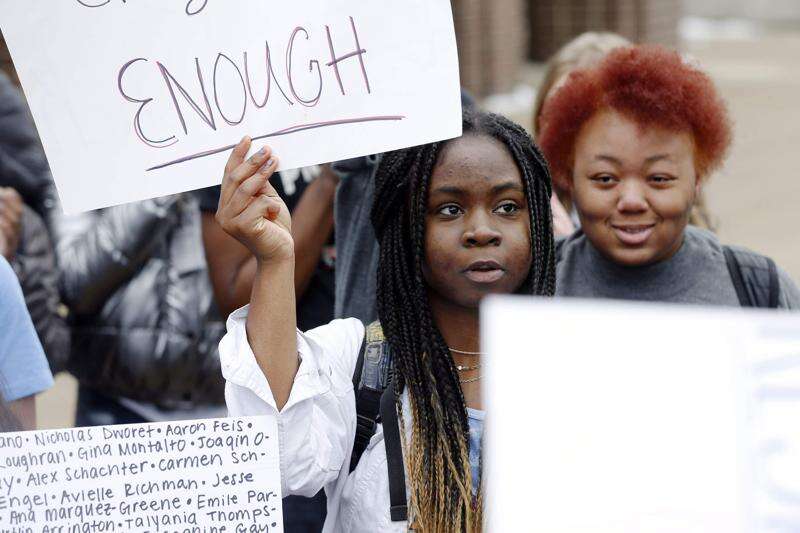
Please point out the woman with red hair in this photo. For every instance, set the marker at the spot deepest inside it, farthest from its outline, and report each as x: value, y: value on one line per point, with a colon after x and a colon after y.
x: 634, y: 139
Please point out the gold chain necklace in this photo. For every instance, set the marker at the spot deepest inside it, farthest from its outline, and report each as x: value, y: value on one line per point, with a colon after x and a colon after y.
x: 461, y: 352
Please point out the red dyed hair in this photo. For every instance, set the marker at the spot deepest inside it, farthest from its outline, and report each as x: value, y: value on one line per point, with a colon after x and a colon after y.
x: 652, y: 86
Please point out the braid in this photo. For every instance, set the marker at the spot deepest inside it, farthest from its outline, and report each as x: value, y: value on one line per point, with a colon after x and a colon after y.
x: 437, y: 458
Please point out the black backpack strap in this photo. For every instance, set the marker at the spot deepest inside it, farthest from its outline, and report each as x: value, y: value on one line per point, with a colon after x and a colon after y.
x: 774, y: 284
x: 735, y: 270
x: 394, y: 457
x: 367, y: 406
x: 359, y: 364
x: 747, y: 274
x: 369, y: 380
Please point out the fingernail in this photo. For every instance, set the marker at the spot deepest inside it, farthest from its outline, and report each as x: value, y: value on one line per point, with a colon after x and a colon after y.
x: 263, y: 151
x: 270, y: 162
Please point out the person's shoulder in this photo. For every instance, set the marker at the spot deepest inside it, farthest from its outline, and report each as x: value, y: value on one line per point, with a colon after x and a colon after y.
x: 8, y: 279
x: 567, y: 247
x: 338, y: 332
x: 340, y: 341
x: 12, y: 301
x: 702, y: 239
x: 757, y: 268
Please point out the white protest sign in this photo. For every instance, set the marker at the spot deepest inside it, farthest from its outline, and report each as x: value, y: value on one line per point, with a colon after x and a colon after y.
x: 606, y: 417
x: 199, y: 476
x: 143, y: 98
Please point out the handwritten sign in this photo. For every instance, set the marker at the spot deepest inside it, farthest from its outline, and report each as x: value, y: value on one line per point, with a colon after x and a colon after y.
x: 201, y: 476
x: 142, y: 98
x: 641, y: 418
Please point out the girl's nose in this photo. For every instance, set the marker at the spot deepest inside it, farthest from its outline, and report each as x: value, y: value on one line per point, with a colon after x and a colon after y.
x: 632, y: 198
x: 481, y: 233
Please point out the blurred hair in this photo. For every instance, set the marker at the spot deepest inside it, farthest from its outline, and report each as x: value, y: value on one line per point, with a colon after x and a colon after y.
x: 648, y: 84
x: 583, y: 51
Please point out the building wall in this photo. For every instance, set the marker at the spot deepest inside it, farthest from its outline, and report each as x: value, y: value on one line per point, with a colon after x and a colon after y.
x: 492, y: 43
x: 768, y: 10
x: 553, y: 23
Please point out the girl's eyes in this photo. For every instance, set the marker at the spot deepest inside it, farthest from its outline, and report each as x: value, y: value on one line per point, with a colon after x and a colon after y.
x: 603, y: 179
x: 661, y: 179
x: 507, y: 208
x: 453, y: 210
x: 450, y: 210
x: 608, y: 179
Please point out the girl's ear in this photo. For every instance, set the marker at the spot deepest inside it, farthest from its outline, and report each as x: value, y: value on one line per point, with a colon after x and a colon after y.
x: 699, y: 182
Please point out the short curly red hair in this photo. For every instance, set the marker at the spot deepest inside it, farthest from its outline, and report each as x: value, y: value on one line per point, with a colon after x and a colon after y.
x: 652, y: 86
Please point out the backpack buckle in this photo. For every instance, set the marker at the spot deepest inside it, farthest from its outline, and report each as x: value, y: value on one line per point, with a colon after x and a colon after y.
x: 365, y: 427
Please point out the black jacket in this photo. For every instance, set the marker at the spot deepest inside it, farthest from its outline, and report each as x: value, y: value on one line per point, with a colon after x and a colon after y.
x: 136, y: 281
x: 23, y: 164
x: 34, y: 264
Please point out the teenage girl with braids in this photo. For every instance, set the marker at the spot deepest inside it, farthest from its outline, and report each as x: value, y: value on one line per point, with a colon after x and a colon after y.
x: 455, y: 221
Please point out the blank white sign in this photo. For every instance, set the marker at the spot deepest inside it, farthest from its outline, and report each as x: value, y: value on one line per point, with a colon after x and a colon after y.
x: 143, y: 98
x: 605, y: 417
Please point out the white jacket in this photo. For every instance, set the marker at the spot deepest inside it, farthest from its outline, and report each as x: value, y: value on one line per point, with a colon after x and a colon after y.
x: 317, y: 426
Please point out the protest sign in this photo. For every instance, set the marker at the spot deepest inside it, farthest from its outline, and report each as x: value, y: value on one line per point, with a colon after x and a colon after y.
x: 606, y: 417
x: 199, y: 476
x: 143, y: 98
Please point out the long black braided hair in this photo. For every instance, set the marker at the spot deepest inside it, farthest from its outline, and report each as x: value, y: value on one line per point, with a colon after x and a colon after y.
x: 437, y: 457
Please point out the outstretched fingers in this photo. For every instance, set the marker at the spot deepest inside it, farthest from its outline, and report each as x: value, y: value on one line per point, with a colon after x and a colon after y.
x: 245, y: 192
x: 238, y: 155
x: 240, y: 169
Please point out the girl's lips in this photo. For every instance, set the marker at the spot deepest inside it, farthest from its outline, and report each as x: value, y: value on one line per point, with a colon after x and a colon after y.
x: 485, y: 276
x: 633, y: 235
x: 484, y: 272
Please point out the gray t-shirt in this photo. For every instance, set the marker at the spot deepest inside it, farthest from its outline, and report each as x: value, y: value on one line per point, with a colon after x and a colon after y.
x: 696, y: 274
x: 357, y: 249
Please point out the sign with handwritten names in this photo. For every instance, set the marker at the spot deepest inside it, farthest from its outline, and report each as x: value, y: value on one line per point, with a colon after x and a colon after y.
x: 135, y: 99
x: 641, y: 417
x: 201, y: 476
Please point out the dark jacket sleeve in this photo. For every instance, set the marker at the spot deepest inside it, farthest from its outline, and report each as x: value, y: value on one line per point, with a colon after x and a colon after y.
x: 35, y: 267
x: 23, y: 164
x: 98, y: 251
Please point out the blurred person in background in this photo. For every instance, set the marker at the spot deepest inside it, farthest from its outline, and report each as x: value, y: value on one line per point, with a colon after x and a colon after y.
x: 633, y: 140
x: 26, y: 196
x: 23, y: 367
x: 144, y: 327
x: 583, y: 52
x: 309, y: 195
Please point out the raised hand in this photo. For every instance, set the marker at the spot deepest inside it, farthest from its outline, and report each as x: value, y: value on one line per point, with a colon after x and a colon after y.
x: 249, y: 208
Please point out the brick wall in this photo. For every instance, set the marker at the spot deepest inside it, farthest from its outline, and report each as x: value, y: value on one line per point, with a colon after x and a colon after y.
x: 555, y: 22
x: 492, y: 43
